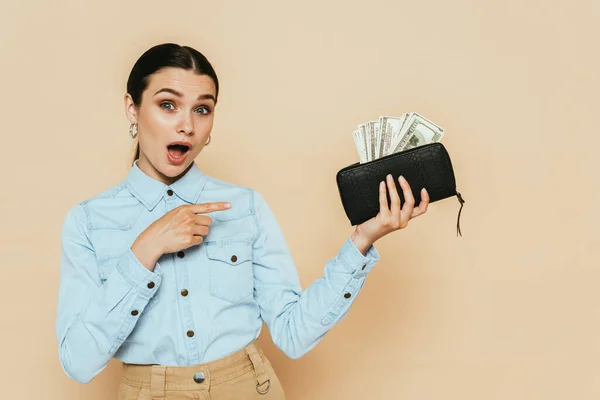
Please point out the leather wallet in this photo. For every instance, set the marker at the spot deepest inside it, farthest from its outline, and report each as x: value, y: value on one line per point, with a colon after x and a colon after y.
x: 427, y: 166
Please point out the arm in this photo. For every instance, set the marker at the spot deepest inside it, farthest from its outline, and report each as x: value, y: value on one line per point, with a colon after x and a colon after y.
x: 93, y: 317
x: 298, y: 320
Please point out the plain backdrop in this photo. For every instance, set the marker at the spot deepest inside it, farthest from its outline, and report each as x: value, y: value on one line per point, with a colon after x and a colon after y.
x: 508, y: 311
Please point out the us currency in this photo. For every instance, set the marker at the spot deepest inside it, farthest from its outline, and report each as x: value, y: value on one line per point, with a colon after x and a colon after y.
x: 389, y: 135
x: 372, y: 128
x: 390, y: 132
x: 359, y: 141
x: 377, y: 129
x: 362, y: 128
x: 417, y: 131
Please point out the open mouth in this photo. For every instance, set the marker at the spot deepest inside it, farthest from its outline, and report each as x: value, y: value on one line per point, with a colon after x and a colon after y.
x: 177, y: 150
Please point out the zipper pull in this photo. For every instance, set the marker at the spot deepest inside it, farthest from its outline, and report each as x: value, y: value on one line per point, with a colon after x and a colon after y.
x: 462, y: 202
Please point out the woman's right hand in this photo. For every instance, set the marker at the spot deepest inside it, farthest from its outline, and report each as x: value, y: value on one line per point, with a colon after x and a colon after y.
x: 178, y: 229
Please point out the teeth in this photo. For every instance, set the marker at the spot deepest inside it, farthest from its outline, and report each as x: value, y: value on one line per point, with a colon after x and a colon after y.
x: 177, y: 151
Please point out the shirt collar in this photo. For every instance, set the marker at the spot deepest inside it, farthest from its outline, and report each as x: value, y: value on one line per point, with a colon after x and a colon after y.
x: 150, y: 191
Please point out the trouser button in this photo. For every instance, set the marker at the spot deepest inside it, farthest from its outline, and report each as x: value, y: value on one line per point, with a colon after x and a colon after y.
x: 198, y: 377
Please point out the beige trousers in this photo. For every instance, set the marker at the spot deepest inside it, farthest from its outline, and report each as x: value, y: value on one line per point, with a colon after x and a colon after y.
x: 246, y: 374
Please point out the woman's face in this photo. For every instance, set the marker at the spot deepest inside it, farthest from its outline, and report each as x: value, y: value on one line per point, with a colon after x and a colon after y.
x: 177, y: 107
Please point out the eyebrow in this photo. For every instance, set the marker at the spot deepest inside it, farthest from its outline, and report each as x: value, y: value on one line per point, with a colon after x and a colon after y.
x: 207, y: 96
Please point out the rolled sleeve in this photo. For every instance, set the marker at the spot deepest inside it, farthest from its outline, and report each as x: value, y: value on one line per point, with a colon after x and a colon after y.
x: 140, y: 277
x: 354, y: 261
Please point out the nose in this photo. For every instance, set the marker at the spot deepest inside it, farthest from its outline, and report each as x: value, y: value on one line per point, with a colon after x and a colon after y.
x: 186, y: 124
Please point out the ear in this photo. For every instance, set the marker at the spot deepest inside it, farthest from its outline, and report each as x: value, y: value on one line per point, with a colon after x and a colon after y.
x: 130, y: 109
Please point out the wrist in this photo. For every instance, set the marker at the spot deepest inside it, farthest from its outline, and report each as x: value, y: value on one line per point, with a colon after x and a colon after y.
x: 361, y: 242
x: 146, y: 252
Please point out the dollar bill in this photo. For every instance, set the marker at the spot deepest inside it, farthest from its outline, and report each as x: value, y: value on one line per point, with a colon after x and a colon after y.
x: 362, y: 128
x: 359, y: 142
x: 388, y: 135
x: 417, y: 131
x: 400, y: 134
x: 372, y: 128
x: 390, y: 128
x: 377, y: 130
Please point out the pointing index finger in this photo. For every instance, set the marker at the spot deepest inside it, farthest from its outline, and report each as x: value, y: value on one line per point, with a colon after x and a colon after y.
x: 209, y: 207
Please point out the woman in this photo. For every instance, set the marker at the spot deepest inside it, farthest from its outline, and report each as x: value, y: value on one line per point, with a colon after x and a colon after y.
x: 172, y: 271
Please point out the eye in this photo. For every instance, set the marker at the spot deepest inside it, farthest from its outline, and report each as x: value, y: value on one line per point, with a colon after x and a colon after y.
x: 166, y: 102
x: 206, y: 110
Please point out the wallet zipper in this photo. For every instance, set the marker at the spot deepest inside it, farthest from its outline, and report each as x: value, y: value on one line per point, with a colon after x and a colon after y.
x: 390, y: 155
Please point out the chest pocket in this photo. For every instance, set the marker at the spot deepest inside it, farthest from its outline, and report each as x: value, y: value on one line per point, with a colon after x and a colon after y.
x: 230, y: 268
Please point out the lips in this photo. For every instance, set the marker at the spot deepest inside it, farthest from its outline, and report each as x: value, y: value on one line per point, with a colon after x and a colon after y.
x: 177, y: 152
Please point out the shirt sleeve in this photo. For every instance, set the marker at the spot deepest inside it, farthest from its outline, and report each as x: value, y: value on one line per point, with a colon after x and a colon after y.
x: 94, y: 317
x: 297, y: 319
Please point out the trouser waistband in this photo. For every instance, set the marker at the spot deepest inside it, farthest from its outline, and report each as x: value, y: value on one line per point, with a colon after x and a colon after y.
x: 200, y: 376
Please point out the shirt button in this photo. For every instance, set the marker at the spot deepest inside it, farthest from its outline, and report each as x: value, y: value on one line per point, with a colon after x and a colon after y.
x: 234, y: 258
x: 170, y: 192
x: 190, y: 333
x: 347, y: 295
x: 364, y: 266
x: 150, y: 285
x: 180, y: 254
x: 198, y: 377
x: 134, y: 312
x: 184, y: 292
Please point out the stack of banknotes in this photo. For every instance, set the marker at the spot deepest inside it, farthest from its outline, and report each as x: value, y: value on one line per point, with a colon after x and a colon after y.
x: 389, y: 135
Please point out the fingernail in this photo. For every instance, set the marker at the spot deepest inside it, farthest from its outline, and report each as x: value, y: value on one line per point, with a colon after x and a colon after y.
x: 389, y: 176
x: 402, y: 178
x: 227, y: 205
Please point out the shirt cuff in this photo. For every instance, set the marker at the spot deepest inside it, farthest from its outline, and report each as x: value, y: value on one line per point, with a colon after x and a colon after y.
x: 140, y: 277
x: 354, y: 261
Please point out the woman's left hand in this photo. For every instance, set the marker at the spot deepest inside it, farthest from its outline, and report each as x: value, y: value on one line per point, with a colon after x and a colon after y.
x: 389, y: 220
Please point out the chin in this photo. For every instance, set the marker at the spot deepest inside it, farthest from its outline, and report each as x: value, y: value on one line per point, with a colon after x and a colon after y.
x: 170, y: 168
x: 172, y: 171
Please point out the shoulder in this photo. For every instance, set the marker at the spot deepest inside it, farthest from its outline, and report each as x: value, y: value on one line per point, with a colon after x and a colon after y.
x: 109, y: 201
x: 106, y: 194
x: 245, y: 200
x: 250, y: 194
x: 213, y: 183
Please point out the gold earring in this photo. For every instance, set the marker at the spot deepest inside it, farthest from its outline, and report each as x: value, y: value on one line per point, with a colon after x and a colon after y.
x: 206, y: 144
x: 133, y: 136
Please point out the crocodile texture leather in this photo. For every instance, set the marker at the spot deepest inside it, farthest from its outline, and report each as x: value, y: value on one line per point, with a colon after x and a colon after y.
x: 427, y: 166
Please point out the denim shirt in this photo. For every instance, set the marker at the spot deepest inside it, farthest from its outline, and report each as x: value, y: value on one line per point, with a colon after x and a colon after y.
x: 199, y: 304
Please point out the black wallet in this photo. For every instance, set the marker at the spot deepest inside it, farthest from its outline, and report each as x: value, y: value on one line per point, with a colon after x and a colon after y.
x: 427, y: 166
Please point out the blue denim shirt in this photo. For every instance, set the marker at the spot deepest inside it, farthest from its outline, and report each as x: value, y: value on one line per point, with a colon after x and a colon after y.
x: 199, y: 304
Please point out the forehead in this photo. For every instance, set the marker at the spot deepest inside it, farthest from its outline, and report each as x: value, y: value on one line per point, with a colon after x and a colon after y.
x: 184, y: 81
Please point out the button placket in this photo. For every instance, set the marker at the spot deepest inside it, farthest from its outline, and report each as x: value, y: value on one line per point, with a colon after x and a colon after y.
x: 183, y: 283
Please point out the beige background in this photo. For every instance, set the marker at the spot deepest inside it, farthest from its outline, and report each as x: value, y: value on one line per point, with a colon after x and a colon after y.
x: 509, y: 311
